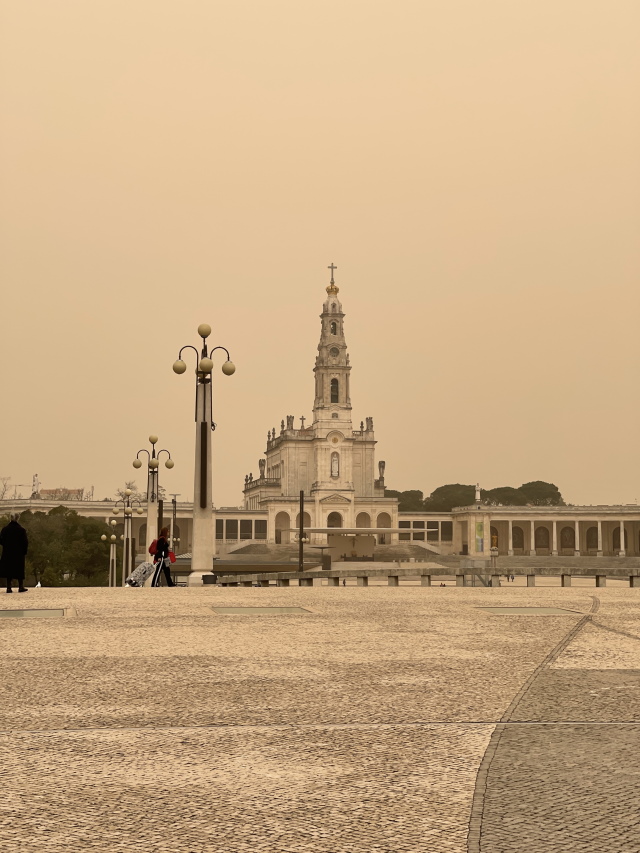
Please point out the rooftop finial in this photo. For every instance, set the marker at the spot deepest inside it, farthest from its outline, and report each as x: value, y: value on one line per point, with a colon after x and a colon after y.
x: 332, y: 289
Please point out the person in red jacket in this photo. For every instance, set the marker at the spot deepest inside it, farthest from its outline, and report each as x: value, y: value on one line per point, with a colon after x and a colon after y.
x: 162, y: 560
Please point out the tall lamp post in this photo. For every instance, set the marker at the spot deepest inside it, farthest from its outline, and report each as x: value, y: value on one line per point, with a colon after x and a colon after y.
x: 113, y: 539
x: 174, y: 512
x: 203, y: 542
x: 300, y: 536
x: 127, y: 507
x: 154, y: 512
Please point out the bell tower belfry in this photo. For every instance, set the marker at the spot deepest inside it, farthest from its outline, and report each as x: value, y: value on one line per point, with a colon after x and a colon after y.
x: 332, y: 404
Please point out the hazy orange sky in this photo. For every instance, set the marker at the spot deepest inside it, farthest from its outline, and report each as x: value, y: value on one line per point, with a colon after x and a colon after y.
x: 471, y: 167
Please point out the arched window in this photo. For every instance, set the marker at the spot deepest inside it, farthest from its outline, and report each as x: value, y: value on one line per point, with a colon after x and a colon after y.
x: 333, y: 328
x: 335, y: 390
x: 334, y: 519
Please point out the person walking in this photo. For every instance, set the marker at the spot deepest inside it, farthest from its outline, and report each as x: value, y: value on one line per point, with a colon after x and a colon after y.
x: 15, y: 544
x: 162, y: 560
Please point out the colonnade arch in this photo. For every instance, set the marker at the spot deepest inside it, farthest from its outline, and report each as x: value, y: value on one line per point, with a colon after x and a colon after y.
x: 334, y: 519
x: 282, y: 525
x: 363, y: 519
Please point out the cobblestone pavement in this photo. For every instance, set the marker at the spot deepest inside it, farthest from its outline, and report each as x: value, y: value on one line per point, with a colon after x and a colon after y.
x: 146, y: 721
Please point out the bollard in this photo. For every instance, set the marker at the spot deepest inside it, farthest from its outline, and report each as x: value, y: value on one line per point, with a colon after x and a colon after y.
x: 460, y: 580
x: 282, y: 582
x: 363, y: 580
x: 425, y: 580
x: 601, y: 580
x: 333, y: 581
x: 393, y: 580
x: 531, y: 580
x: 565, y: 580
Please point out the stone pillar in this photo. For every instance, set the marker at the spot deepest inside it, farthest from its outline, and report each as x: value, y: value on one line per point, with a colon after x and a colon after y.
x: 495, y: 580
x: 510, y: 522
x: 393, y: 580
x: 634, y: 580
x: 600, y: 551
x: 565, y: 580
x: 282, y: 582
x: 305, y: 582
x: 623, y: 552
x: 532, y: 549
x: 601, y: 580
x: 363, y: 580
x: 264, y: 583
x: 333, y: 581
x: 531, y: 580
x: 246, y: 583
x: 460, y: 580
x: 425, y: 580
x: 554, y: 537
x: 576, y: 525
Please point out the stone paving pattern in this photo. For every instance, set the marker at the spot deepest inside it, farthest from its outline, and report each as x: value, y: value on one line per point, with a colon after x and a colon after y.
x: 146, y: 721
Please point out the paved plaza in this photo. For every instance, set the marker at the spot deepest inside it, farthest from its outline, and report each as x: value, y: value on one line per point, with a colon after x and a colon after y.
x: 384, y: 719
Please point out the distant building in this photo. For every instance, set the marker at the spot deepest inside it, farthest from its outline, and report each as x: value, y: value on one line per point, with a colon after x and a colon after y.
x: 329, y: 460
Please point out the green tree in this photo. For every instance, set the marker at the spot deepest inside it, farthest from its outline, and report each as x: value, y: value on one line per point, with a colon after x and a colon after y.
x: 444, y: 498
x: 409, y: 501
x: 65, y: 548
x: 504, y: 495
x: 540, y: 493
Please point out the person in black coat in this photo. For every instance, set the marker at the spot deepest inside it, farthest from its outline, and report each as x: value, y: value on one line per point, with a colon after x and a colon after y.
x: 13, y: 539
x: 162, y: 559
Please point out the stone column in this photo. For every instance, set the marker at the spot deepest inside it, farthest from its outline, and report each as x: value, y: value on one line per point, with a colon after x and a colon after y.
x: 532, y: 549
x: 600, y: 551
x: 623, y: 552
x: 510, y: 522
x: 554, y: 542
x: 576, y: 525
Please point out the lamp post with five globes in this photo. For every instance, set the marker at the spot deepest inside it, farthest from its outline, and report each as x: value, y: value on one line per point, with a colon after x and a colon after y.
x: 154, y: 514
x: 203, y: 542
x: 127, y: 506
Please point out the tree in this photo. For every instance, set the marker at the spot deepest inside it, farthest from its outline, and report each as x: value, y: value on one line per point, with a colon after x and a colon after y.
x: 65, y: 548
x: 410, y: 501
x: 5, y: 485
x: 444, y: 498
x: 540, y: 493
x: 504, y: 496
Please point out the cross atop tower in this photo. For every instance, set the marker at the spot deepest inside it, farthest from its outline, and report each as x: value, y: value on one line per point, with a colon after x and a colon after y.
x: 332, y: 267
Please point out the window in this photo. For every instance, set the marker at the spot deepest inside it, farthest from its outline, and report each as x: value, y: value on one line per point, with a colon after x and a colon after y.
x: 232, y: 528
x: 219, y: 528
x: 335, y: 390
x: 245, y: 528
x: 333, y: 328
x: 432, y: 531
x: 419, y: 536
x: 446, y: 531
x: 261, y: 528
x: 404, y: 537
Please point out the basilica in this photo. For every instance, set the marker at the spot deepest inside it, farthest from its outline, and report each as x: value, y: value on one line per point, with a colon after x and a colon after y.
x: 332, y: 463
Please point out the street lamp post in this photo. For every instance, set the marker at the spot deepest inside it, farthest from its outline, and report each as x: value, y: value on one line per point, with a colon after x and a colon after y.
x: 203, y: 542
x: 127, y: 507
x: 302, y: 539
x: 112, y: 553
x: 154, y: 515
x: 174, y: 512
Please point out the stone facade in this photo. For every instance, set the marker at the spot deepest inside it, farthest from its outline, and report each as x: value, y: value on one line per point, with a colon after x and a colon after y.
x: 328, y: 460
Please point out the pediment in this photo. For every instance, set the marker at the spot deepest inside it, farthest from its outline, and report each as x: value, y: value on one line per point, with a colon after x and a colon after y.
x: 335, y: 499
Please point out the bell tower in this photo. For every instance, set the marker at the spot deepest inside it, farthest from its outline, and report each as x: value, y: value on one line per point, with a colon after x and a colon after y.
x: 332, y: 405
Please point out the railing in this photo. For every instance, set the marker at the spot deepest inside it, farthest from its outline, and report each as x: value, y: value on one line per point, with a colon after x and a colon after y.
x: 262, y: 481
